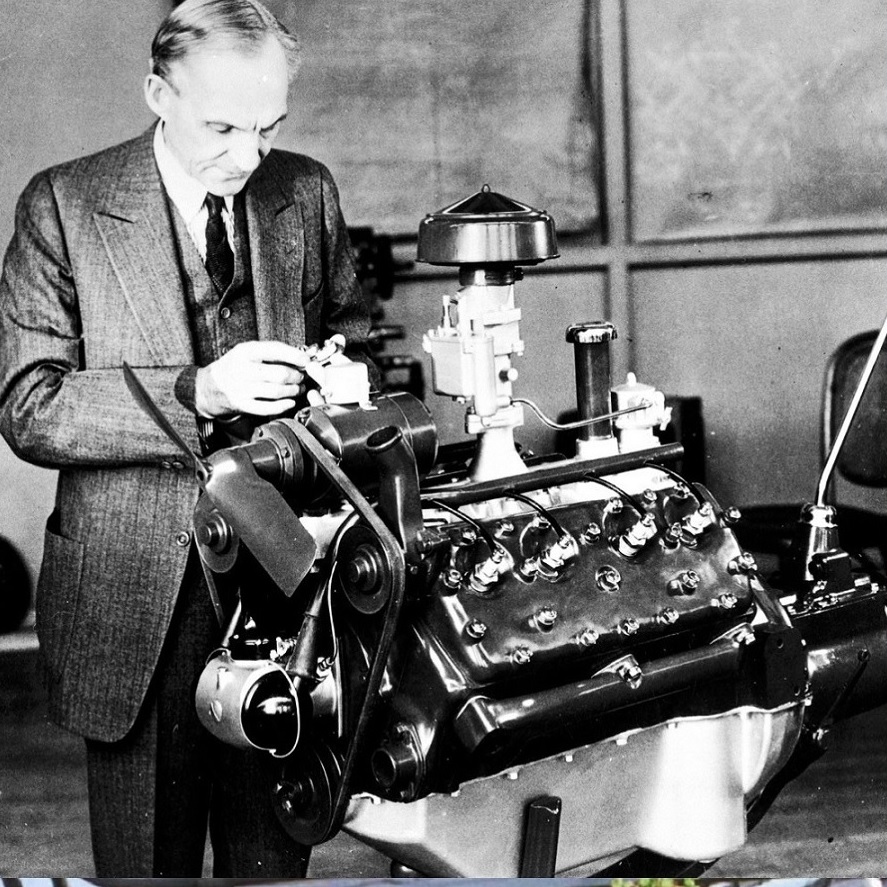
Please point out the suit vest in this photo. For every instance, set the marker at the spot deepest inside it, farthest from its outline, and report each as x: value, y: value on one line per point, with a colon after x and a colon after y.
x: 217, y: 321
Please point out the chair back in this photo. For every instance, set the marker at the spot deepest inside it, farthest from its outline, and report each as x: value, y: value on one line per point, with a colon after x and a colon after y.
x: 863, y: 459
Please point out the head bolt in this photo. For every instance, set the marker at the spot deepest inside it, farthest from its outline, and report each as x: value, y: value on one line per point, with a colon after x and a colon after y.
x: 727, y: 600
x: 615, y: 505
x: 545, y: 618
x: 503, y: 528
x: 588, y: 637
x: 452, y: 578
x: 685, y: 583
x: 467, y: 536
x: 743, y: 564
x: 521, y: 655
x: 591, y: 533
x: 476, y: 630
x: 672, y: 535
x: 731, y: 515
x: 668, y: 616
x: 608, y: 578
x: 629, y: 626
x: 631, y: 674
x: 649, y: 497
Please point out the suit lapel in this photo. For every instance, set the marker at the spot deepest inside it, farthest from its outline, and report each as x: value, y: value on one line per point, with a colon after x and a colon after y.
x: 135, y: 228
x: 277, y: 253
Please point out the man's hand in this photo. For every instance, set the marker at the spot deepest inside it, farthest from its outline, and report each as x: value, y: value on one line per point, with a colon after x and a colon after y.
x: 259, y: 378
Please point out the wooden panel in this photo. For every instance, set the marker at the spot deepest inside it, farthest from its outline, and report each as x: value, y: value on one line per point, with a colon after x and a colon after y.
x: 416, y: 105
x: 757, y: 115
x: 753, y: 343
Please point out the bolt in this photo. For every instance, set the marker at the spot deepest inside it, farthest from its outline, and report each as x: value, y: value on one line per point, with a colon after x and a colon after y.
x: 727, y: 600
x: 731, y: 515
x: 672, y: 535
x: 608, y: 578
x: 521, y: 655
x: 503, y: 528
x: 685, y: 583
x: 588, y: 637
x: 631, y: 674
x: 681, y: 491
x: 743, y: 563
x: 649, y: 497
x: 476, y: 630
x: 452, y: 578
x: 591, y: 533
x: 615, y: 505
x: 545, y: 618
x: 467, y: 536
x: 668, y: 616
x: 629, y: 626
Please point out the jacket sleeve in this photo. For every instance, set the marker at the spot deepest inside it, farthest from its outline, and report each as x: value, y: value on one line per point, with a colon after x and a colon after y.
x: 347, y: 308
x: 54, y: 411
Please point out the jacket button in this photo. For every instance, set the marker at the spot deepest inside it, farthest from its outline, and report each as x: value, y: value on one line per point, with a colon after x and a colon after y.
x: 177, y: 466
x: 183, y: 538
x: 166, y: 466
x: 225, y: 313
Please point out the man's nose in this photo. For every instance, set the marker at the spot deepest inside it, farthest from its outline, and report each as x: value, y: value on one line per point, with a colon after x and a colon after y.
x: 247, y: 151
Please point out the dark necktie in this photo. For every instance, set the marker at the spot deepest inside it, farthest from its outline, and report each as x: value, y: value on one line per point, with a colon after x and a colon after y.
x: 219, y: 258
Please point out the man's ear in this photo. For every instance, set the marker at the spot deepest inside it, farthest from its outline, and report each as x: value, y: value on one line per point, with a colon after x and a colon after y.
x: 157, y: 95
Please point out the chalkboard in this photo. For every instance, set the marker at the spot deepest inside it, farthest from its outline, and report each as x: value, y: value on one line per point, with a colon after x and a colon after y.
x: 751, y: 116
x: 414, y: 105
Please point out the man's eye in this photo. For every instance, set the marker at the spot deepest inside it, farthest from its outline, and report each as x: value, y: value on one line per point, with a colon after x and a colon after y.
x: 221, y: 128
x: 270, y: 131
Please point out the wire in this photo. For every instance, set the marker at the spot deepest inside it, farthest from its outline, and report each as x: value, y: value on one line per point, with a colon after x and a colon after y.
x: 544, y: 512
x: 481, y: 529
x: 618, y: 491
x: 676, y: 477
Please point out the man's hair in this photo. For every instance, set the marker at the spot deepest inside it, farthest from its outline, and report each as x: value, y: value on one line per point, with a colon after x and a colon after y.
x: 232, y: 24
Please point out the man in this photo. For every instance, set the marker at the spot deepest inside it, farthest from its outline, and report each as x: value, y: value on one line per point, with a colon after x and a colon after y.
x: 205, y: 260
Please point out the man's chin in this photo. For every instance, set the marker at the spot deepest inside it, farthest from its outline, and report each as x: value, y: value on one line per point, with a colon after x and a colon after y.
x: 226, y: 186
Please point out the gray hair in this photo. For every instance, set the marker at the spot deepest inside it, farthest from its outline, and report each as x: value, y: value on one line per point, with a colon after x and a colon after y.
x: 236, y: 24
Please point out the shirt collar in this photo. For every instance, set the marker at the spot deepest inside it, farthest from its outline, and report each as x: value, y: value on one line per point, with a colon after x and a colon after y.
x: 186, y: 193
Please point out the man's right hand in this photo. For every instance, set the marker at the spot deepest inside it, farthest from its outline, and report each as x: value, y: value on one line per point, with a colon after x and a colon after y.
x: 259, y: 378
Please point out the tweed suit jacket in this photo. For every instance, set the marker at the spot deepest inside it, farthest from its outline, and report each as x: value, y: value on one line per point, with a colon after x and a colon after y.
x: 90, y: 280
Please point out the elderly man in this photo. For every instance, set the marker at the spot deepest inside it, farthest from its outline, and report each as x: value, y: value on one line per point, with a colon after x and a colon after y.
x: 205, y: 259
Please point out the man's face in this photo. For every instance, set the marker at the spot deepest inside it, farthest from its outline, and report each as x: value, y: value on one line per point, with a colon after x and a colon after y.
x: 221, y: 110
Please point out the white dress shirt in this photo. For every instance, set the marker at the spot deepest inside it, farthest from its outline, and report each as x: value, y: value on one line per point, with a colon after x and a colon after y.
x: 188, y: 195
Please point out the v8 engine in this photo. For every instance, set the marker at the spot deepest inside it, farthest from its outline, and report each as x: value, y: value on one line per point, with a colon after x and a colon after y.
x: 505, y: 665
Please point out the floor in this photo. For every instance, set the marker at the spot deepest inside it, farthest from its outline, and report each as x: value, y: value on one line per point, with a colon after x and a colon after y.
x: 830, y: 822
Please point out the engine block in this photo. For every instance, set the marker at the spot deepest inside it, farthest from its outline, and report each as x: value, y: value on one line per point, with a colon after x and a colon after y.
x: 497, y: 666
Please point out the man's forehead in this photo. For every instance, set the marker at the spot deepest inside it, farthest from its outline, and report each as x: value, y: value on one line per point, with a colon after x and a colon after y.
x: 262, y: 64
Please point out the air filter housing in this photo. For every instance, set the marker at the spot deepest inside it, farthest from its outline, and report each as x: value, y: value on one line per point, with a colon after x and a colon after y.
x: 487, y: 228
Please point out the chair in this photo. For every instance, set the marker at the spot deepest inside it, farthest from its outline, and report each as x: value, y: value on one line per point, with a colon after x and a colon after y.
x: 769, y: 529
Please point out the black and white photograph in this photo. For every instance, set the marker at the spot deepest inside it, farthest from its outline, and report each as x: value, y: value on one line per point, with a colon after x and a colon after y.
x: 443, y: 439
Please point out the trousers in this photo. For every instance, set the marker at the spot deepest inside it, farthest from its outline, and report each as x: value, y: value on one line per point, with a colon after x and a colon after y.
x: 154, y: 794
